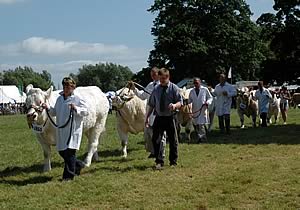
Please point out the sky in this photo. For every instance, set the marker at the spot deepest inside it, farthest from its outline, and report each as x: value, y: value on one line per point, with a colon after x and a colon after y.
x: 62, y: 35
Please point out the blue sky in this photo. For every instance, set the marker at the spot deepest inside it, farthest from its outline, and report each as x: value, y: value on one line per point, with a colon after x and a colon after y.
x: 62, y: 35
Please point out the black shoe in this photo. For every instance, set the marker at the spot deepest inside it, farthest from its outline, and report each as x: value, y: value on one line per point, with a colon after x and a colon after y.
x: 79, y: 166
x: 173, y: 164
x: 151, y: 156
x: 67, y: 179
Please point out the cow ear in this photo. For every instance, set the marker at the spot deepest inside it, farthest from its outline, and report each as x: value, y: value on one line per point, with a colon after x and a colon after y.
x: 49, y: 92
x: 28, y: 88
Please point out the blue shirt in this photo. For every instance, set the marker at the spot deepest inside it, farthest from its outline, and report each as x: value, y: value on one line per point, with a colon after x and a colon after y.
x: 172, y: 96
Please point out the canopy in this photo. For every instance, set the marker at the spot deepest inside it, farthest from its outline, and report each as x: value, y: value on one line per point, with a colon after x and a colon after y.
x: 12, y: 92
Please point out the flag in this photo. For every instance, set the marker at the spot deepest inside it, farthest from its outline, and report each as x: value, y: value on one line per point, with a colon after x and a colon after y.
x: 229, y: 73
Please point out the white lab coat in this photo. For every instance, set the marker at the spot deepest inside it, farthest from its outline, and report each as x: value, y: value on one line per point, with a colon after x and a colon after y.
x: 263, y: 100
x: 203, y: 97
x: 145, y: 96
x: 62, y: 111
x: 223, y: 103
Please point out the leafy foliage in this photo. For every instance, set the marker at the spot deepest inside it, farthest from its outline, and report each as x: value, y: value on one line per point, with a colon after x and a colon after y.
x: 108, y: 76
x: 282, y: 33
x: 205, y: 37
x: 23, y: 76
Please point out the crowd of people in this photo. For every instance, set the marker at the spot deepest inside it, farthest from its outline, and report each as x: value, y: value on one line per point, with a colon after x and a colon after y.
x: 12, y: 108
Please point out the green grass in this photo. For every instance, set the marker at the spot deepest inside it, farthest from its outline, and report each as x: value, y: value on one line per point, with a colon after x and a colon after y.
x: 252, y: 169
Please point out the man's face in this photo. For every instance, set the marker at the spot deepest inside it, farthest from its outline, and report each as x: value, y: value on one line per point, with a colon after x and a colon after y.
x: 164, y: 79
x: 154, y: 75
x: 197, y: 83
x: 222, y: 79
x: 68, y: 90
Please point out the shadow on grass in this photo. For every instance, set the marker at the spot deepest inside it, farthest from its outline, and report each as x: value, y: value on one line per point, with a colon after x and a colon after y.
x: 125, y: 169
x: 274, y: 134
x: 33, y: 180
x: 109, y: 153
x: 16, y: 170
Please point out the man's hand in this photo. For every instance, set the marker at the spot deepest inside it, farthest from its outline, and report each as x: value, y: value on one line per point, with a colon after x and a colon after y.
x: 130, y: 85
x: 172, y: 107
x: 73, y: 107
x: 147, y: 125
x: 45, y: 106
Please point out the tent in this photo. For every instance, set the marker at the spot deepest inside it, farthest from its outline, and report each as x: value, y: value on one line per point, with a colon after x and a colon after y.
x: 5, y: 99
x: 12, y: 92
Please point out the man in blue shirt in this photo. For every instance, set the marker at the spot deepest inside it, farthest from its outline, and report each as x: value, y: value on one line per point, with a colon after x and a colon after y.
x: 164, y: 101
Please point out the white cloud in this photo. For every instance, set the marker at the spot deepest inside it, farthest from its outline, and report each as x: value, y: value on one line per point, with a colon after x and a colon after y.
x: 10, y: 1
x: 63, y: 57
x: 54, y: 47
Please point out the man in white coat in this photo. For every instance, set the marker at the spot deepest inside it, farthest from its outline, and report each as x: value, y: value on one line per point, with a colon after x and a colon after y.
x: 199, y: 99
x: 145, y: 95
x: 224, y: 93
x: 263, y: 96
x: 69, y: 136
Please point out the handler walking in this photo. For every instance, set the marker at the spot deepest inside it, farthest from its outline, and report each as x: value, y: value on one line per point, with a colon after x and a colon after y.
x: 224, y: 93
x: 69, y: 137
x: 164, y: 100
x: 145, y: 95
x: 199, y: 99
x: 263, y: 96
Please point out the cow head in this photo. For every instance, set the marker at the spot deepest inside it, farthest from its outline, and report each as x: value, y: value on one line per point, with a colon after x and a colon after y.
x: 185, y: 93
x: 122, y: 96
x: 35, y: 98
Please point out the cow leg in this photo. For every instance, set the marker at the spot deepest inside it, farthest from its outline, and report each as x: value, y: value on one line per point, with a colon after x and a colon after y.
x: 93, y: 136
x: 254, y: 120
x: 124, y: 141
x: 211, y: 121
x: 47, y: 156
x: 242, y: 119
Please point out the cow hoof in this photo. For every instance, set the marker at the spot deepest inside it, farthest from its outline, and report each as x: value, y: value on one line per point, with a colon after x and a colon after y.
x: 243, y: 126
x: 46, y: 169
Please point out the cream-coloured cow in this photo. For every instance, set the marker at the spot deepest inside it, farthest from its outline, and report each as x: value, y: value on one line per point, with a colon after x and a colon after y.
x: 131, y: 112
x: 93, y: 123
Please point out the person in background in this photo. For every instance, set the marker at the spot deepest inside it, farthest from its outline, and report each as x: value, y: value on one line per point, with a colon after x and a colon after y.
x: 224, y: 93
x: 285, y: 96
x: 263, y: 96
x: 69, y: 137
x: 164, y: 101
x: 145, y: 95
x: 199, y: 99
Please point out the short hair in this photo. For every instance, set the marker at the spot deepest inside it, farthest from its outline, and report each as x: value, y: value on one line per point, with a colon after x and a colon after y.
x: 196, y: 79
x: 222, y: 75
x: 164, y: 72
x: 261, y: 83
x: 68, y: 81
x: 155, y: 69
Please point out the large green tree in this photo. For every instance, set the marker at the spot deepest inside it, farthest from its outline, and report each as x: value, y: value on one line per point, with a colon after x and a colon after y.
x: 108, y: 76
x: 281, y: 32
x: 205, y: 37
x: 23, y: 76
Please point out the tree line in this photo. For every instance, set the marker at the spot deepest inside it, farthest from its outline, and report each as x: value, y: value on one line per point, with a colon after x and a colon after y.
x: 207, y: 37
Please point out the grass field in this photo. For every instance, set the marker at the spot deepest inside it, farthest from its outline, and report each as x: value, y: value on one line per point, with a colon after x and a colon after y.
x: 251, y: 169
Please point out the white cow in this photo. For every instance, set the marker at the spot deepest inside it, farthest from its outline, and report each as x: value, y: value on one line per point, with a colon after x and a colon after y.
x: 131, y: 111
x: 94, y: 123
x: 274, y: 108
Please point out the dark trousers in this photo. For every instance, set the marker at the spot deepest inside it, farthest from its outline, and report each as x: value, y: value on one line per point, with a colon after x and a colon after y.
x: 224, y: 118
x: 160, y: 125
x: 72, y: 165
x: 263, y: 117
